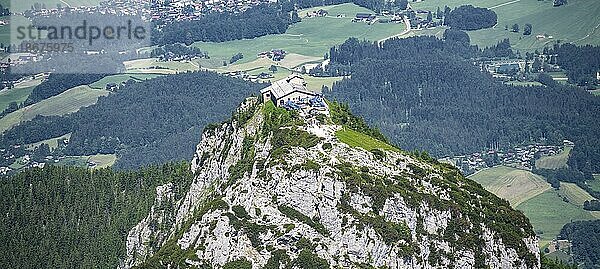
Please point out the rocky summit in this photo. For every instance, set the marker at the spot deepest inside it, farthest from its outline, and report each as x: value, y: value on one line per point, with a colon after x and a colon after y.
x: 320, y: 189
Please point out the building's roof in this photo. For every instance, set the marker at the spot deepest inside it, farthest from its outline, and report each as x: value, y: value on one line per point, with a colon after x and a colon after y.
x: 363, y: 15
x: 286, y: 86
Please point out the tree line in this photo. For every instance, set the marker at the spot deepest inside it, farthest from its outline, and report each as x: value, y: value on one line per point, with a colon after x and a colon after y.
x: 219, y: 27
x: 585, y: 238
x: 58, y: 83
x: 68, y: 217
x: 580, y: 62
x: 148, y: 122
x: 423, y: 93
x: 469, y: 18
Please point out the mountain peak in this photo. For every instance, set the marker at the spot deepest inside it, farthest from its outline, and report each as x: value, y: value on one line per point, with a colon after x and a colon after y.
x: 277, y: 188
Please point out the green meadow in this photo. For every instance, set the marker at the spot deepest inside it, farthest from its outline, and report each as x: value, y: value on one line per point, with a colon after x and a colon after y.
x: 65, y: 103
x: 547, y: 209
x: 554, y: 161
x: 18, y: 95
x: 577, y: 22
x: 356, y: 139
x: 310, y: 37
x: 514, y: 185
x: 101, y: 84
x: 548, y: 213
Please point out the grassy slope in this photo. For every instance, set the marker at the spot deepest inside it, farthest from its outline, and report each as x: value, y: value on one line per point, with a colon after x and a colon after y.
x: 554, y: 161
x: 19, y: 93
x: 141, y: 66
x: 103, y: 160
x: 514, y: 185
x: 65, y: 103
x: 549, y: 213
x: 574, y: 193
x: 530, y: 193
x: 356, y: 139
x: 101, y: 84
x: 595, y: 184
x: 52, y: 142
x: 576, y: 22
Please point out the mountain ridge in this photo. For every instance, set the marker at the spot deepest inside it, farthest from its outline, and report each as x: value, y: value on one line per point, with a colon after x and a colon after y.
x: 277, y: 189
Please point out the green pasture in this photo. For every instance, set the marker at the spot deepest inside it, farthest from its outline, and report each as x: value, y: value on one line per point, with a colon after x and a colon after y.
x: 356, y: 139
x: 577, y: 22
x: 548, y: 213
x: 65, y: 103
x: 310, y: 37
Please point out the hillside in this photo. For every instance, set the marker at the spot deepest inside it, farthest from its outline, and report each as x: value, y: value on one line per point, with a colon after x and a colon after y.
x: 273, y: 188
x: 547, y: 209
x: 67, y: 217
x: 577, y: 22
x: 425, y: 93
x: 144, y: 122
x: 511, y: 184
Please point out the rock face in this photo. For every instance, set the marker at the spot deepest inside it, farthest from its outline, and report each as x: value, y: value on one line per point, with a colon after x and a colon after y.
x: 275, y: 189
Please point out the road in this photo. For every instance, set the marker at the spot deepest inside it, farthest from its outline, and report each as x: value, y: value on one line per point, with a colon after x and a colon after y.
x: 504, y: 4
x: 406, y: 31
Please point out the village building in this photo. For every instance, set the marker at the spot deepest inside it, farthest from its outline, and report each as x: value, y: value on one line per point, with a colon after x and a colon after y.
x: 291, y: 89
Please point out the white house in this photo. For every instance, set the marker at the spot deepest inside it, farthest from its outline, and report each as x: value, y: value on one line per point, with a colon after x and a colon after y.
x: 293, y: 88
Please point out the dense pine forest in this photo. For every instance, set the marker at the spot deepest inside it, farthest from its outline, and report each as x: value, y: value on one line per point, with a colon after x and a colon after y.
x: 469, y: 18
x: 580, y: 62
x: 149, y: 122
x: 66, y: 217
x: 585, y: 237
x: 425, y: 94
x: 219, y: 27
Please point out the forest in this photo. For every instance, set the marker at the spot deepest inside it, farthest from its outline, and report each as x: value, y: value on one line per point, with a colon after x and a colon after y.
x: 424, y: 94
x: 57, y: 83
x: 67, y: 217
x: 219, y: 27
x: 469, y: 18
x: 255, y: 22
x: 177, y: 51
x: 148, y: 122
x: 585, y: 237
x: 580, y: 62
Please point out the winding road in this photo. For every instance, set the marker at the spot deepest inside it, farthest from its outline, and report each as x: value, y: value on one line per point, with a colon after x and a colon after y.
x: 406, y: 31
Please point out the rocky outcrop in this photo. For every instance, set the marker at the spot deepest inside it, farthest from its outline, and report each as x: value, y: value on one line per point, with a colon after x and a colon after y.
x: 275, y: 188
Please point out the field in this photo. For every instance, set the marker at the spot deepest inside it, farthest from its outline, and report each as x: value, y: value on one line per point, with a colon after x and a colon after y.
x: 154, y: 66
x: 577, y: 22
x: 531, y: 194
x: 356, y: 139
x: 549, y: 213
x: 574, y: 193
x: 595, y: 184
x: 311, y: 37
x: 514, y: 185
x: 524, y: 83
x: 19, y: 93
x: 103, y: 160
x: 101, y: 84
x: 554, y: 161
x: 65, y: 103
x: 52, y: 142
